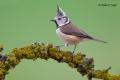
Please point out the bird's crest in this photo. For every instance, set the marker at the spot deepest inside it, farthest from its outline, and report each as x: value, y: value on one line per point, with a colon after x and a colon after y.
x: 60, y: 12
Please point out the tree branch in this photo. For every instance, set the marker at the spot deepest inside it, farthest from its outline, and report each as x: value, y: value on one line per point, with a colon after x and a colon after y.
x: 85, y: 66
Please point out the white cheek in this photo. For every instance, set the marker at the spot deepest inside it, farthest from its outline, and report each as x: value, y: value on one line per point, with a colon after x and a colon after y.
x: 60, y: 23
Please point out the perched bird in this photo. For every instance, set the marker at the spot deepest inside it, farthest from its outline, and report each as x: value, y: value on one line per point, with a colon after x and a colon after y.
x: 68, y: 32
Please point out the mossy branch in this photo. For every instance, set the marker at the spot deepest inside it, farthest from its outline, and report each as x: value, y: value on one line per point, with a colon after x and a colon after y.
x: 85, y: 66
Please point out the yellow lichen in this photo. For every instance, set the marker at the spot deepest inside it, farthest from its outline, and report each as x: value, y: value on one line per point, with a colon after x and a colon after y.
x: 84, y: 66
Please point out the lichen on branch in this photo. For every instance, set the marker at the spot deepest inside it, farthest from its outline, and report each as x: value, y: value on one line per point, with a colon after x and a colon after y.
x: 85, y: 66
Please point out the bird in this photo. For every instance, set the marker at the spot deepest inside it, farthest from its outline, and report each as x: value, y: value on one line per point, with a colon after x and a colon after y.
x: 69, y: 33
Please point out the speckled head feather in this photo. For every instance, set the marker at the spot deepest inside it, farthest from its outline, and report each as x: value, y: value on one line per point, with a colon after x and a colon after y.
x: 60, y: 12
x: 61, y: 18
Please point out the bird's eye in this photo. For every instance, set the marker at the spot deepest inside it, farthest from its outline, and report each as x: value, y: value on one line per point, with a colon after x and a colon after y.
x: 59, y: 18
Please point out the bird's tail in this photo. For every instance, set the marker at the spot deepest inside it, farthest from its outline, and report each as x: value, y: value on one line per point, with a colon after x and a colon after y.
x: 99, y: 40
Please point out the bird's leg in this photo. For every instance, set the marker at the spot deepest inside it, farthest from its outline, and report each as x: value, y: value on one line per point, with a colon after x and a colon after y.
x: 66, y: 45
x: 74, y: 48
x: 58, y: 47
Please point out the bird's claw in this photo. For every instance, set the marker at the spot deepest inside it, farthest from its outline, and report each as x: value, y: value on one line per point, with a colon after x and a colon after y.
x: 58, y: 48
x: 73, y: 52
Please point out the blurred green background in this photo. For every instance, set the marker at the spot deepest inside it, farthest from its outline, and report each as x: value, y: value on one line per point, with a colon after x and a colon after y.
x: 23, y: 22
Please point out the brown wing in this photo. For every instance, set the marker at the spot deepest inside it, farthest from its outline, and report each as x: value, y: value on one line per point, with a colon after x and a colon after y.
x: 70, y: 29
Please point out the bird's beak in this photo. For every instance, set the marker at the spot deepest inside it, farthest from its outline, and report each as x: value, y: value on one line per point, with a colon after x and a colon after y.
x: 52, y: 20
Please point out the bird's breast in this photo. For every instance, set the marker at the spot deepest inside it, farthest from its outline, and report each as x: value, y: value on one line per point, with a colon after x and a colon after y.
x: 70, y: 39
